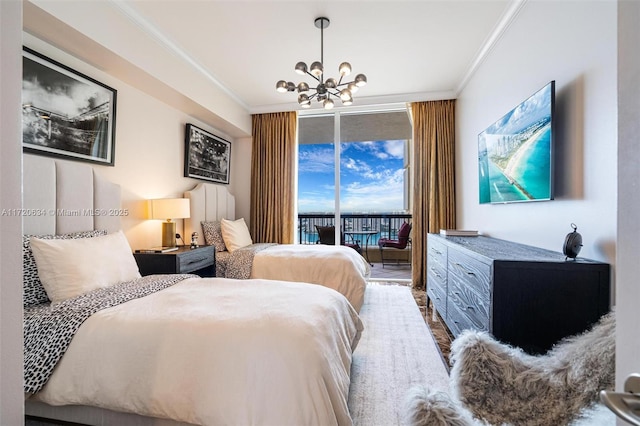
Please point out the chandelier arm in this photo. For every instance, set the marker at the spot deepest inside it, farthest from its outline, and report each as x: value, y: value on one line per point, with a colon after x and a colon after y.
x: 318, y: 79
x: 345, y: 84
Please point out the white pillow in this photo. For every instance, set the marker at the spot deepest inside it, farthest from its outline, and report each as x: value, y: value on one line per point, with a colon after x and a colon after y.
x: 69, y: 268
x: 235, y: 234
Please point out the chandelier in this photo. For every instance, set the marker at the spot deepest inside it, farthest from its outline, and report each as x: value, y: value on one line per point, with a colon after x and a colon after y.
x: 326, y: 89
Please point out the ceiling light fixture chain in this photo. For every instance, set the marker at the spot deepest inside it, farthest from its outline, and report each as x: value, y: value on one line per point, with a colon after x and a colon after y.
x: 325, y: 88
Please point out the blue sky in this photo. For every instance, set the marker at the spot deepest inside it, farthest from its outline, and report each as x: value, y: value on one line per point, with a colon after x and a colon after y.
x: 371, y: 177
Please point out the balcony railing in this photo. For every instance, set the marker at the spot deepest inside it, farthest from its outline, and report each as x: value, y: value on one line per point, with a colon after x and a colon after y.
x: 386, y: 225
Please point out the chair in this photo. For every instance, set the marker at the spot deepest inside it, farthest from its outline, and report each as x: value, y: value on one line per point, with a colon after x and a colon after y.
x: 494, y: 384
x: 327, y: 235
x: 400, y: 244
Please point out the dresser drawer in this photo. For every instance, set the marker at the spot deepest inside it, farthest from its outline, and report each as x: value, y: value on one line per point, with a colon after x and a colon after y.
x: 461, y: 316
x: 438, y: 295
x: 196, y: 259
x: 467, y: 303
x: 436, y: 254
x: 469, y: 272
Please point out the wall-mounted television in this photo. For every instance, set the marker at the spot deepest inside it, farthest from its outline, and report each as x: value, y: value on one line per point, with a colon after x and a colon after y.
x: 515, y: 154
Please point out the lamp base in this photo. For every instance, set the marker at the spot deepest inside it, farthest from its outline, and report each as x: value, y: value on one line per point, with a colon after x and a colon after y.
x: 168, y: 234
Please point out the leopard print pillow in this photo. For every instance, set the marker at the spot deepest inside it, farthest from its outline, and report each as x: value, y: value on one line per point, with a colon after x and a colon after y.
x: 33, y: 291
x: 213, y: 235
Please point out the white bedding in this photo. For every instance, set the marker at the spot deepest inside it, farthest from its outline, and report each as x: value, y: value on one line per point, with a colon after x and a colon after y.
x: 215, y: 351
x: 338, y: 267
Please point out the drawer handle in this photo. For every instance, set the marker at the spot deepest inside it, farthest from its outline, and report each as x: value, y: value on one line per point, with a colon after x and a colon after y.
x: 465, y: 270
x: 197, y: 261
x: 435, y: 272
x: 469, y: 307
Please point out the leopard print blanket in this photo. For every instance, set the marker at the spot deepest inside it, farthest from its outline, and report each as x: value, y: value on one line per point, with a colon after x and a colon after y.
x: 240, y: 262
x: 49, y: 328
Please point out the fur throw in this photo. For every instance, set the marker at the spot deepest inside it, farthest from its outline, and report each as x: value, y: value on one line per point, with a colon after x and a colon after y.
x: 499, y: 384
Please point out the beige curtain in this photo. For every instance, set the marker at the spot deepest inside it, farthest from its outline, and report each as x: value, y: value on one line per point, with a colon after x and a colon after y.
x: 434, y: 203
x: 272, y: 180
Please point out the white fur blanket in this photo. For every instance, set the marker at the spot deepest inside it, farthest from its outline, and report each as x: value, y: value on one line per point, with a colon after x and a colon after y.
x: 496, y: 384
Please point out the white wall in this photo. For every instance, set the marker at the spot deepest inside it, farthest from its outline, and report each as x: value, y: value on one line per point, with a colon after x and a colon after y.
x: 149, y: 150
x: 573, y: 43
x: 11, y: 375
x: 628, y: 247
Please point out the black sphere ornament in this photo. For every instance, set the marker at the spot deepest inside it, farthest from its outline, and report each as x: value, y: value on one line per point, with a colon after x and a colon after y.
x: 572, y: 243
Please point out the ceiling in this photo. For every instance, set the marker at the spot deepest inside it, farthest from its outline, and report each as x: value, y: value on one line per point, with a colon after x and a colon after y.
x: 409, y: 50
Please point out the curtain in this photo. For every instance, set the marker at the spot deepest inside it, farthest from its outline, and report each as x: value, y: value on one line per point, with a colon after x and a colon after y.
x: 434, y: 205
x: 272, y: 179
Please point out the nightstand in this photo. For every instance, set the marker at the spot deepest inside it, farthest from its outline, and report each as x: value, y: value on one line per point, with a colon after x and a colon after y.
x: 185, y: 260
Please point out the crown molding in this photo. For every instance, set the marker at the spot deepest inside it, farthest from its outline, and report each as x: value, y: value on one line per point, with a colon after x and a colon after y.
x: 498, y: 31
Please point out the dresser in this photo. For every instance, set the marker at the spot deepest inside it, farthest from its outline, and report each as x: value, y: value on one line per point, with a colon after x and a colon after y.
x: 200, y: 261
x: 524, y: 296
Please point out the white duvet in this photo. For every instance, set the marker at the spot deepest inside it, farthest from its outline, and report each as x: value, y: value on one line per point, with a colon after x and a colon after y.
x: 214, y: 351
x: 338, y: 267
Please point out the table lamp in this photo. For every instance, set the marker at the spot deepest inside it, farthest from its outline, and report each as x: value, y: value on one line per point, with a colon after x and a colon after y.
x: 168, y: 209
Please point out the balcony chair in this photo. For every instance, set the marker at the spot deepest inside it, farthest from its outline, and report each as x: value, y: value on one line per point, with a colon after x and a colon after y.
x: 327, y: 235
x: 400, y: 244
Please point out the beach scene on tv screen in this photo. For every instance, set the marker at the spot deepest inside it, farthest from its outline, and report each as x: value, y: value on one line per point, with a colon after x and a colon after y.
x: 514, y: 153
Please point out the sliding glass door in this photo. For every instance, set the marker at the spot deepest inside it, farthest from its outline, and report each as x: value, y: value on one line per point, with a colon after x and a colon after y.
x: 353, y: 170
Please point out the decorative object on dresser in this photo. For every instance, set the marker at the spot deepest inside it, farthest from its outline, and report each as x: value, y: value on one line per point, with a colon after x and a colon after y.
x: 184, y: 260
x: 572, y: 243
x: 524, y: 296
x: 167, y: 209
x: 458, y: 233
x: 206, y: 156
x: 65, y: 113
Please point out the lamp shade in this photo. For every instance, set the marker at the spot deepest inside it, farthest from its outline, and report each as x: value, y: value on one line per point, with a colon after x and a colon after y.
x: 169, y: 208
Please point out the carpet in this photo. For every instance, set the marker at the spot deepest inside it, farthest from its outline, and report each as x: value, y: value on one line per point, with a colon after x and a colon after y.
x: 396, y: 352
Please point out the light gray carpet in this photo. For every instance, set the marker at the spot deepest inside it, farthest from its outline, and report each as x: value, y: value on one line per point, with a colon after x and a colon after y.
x: 396, y: 352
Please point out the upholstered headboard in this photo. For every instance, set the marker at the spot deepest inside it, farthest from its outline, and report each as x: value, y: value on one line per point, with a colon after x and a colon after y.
x: 59, y: 197
x: 208, y: 203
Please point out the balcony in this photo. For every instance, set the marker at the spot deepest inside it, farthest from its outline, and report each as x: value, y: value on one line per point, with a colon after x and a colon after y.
x: 366, y: 229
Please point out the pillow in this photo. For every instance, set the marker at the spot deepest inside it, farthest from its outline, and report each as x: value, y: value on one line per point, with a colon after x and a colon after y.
x: 33, y: 291
x: 235, y: 234
x: 213, y: 235
x: 69, y: 268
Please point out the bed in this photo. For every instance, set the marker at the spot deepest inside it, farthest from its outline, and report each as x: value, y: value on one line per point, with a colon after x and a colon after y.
x: 338, y: 267
x: 169, y: 349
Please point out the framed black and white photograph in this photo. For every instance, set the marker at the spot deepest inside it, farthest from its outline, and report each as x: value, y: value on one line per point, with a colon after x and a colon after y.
x: 206, y: 156
x: 66, y: 113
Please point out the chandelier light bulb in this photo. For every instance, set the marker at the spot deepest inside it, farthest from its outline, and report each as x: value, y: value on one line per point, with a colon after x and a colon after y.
x: 281, y: 86
x: 345, y: 94
x: 316, y: 69
x: 301, y: 68
x: 325, y: 91
x: 344, y: 68
x: 304, y: 100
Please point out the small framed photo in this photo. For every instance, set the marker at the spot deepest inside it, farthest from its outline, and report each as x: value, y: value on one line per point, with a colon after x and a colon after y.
x: 206, y: 156
x: 65, y: 113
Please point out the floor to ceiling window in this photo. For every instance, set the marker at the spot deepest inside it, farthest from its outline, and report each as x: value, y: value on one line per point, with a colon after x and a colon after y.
x: 360, y: 182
